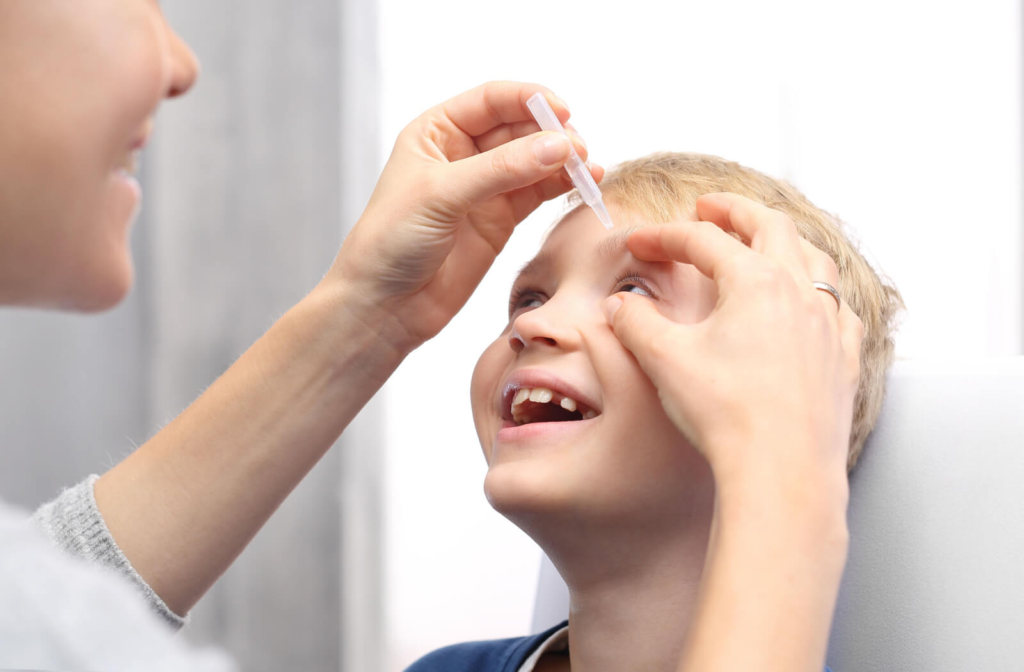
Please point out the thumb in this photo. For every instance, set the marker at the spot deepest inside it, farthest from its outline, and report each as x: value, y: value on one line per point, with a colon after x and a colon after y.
x: 641, y: 329
x: 510, y: 166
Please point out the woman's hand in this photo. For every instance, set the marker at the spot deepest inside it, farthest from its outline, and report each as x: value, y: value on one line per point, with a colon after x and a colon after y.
x: 764, y: 387
x: 766, y: 384
x: 460, y: 178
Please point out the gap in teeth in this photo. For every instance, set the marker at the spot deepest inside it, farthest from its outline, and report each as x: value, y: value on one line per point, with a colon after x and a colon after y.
x: 543, y: 395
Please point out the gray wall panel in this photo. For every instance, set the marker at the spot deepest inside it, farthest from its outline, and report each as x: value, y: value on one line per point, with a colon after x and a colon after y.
x: 246, y: 218
x: 245, y: 208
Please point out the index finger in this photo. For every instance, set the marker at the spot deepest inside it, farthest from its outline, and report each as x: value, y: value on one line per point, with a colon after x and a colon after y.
x: 768, y: 231
x: 710, y: 249
x: 490, y: 105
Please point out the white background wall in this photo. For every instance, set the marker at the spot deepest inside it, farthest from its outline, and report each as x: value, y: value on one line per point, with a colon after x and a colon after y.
x: 904, y: 118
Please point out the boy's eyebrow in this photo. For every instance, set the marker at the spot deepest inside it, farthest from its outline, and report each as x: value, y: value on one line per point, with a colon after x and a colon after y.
x: 611, y: 246
x: 535, y: 266
x: 616, y: 244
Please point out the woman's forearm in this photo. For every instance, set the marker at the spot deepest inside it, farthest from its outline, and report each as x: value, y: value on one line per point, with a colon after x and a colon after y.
x: 772, y: 572
x: 184, y: 505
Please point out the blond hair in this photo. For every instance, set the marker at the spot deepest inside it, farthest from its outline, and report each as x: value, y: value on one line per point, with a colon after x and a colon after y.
x: 665, y: 186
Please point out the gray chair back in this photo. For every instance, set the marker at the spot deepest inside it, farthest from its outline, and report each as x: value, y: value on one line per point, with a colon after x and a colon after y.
x: 935, y: 576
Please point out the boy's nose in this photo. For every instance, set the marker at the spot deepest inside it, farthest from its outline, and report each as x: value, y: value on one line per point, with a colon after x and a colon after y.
x: 517, y: 342
x: 538, y: 327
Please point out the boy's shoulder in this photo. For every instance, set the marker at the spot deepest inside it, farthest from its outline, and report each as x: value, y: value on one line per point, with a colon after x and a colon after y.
x: 496, y: 655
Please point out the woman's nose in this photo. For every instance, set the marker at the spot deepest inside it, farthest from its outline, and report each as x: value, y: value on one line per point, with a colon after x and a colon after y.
x: 184, y: 66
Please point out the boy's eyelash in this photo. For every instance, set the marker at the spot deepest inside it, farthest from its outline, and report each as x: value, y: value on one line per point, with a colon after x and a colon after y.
x: 630, y: 277
x: 517, y: 295
x: 633, y: 278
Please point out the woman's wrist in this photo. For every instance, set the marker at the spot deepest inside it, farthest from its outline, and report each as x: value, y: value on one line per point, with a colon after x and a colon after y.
x: 358, y: 325
x: 798, y: 500
x: 777, y: 546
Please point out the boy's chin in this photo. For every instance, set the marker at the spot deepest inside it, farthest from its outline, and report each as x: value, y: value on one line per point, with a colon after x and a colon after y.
x: 543, y: 499
x: 550, y: 499
x: 518, y: 491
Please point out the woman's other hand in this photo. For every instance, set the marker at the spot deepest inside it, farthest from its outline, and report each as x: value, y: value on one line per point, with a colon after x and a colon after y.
x: 765, y: 385
x: 460, y: 178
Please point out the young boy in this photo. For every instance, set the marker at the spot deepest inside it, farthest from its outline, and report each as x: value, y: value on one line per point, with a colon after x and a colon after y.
x: 581, y: 454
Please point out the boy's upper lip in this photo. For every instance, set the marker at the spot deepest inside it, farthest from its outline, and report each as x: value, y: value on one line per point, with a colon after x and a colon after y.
x: 540, y: 378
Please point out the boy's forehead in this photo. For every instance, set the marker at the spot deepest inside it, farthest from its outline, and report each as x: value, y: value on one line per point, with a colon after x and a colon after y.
x: 580, y: 231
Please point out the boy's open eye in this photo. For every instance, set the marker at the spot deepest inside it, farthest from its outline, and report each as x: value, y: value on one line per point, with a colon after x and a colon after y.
x: 633, y: 283
x: 523, y: 297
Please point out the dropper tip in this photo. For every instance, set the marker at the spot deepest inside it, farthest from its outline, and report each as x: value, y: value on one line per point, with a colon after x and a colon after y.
x: 602, y: 214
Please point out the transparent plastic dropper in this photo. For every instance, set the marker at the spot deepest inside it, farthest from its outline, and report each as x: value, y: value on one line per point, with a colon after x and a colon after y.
x: 578, y: 171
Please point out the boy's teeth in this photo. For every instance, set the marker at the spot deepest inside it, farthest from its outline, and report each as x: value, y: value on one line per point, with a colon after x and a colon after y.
x: 541, y: 395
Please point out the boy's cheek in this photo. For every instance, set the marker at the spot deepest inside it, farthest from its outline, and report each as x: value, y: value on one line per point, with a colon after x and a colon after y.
x: 483, y: 390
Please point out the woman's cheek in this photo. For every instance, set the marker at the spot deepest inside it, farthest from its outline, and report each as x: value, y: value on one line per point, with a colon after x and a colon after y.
x: 145, y: 76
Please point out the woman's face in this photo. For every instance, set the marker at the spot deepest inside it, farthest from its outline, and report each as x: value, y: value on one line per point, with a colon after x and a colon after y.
x: 626, y: 464
x: 80, y: 82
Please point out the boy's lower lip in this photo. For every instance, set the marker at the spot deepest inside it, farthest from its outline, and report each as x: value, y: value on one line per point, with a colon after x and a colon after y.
x: 510, y: 432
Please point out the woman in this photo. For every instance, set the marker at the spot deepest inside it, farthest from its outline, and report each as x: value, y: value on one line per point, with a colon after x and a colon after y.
x: 81, y: 82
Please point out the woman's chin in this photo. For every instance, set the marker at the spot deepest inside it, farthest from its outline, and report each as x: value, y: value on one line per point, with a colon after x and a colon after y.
x: 105, y: 277
x: 96, y: 291
x: 109, y: 294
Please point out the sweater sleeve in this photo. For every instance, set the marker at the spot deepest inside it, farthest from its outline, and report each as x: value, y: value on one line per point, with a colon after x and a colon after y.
x: 74, y: 523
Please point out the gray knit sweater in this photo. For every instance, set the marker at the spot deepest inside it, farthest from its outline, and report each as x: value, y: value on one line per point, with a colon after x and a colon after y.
x: 71, y: 600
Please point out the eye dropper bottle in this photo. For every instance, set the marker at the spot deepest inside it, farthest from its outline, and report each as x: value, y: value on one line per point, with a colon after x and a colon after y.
x: 578, y: 171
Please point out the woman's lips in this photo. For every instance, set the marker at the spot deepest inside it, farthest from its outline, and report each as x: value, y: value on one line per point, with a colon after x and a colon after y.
x: 142, y: 138
x: 130, y: 162
x: 126, y: 184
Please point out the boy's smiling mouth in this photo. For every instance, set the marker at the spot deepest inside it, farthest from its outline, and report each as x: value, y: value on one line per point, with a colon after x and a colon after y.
x: 534, y: 396
x: 540, y: 404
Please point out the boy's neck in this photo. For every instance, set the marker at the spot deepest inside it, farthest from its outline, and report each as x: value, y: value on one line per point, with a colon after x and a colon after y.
x: 632, y: 609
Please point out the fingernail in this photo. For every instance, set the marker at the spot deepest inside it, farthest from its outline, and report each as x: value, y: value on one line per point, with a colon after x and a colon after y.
x: 551, y: 148
x: 611, y: 306
x: 564, y: 104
